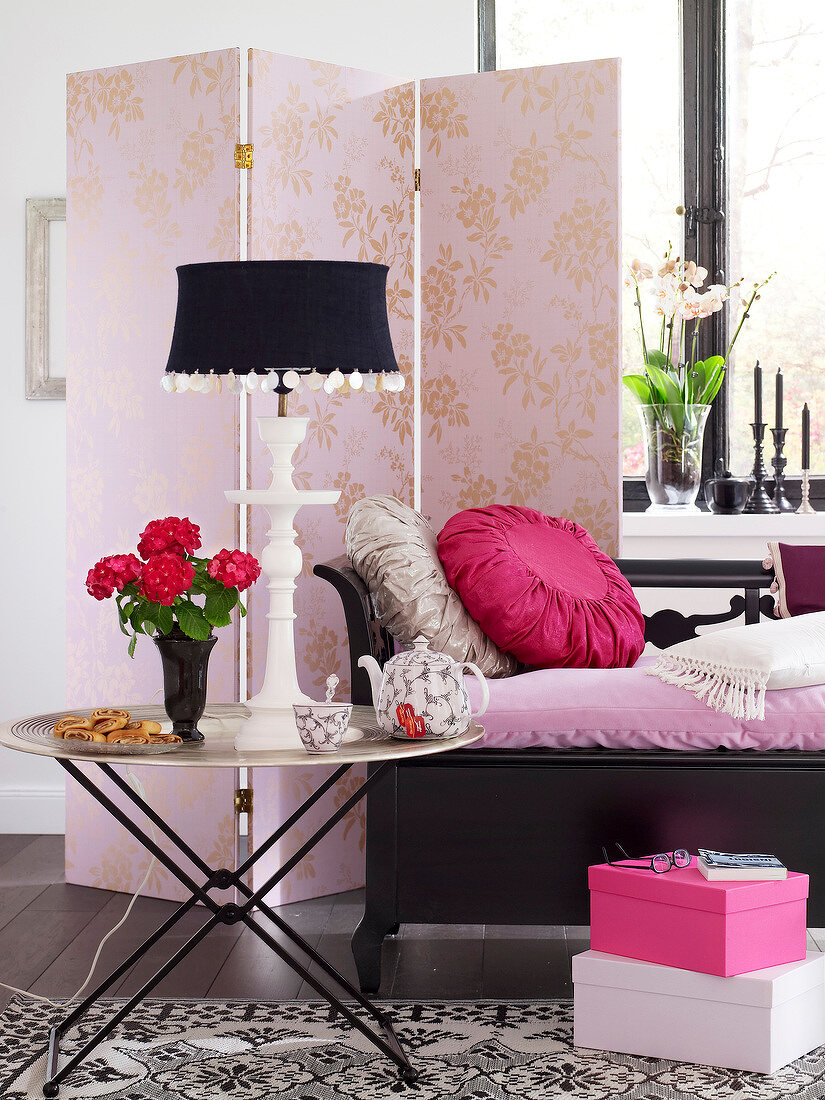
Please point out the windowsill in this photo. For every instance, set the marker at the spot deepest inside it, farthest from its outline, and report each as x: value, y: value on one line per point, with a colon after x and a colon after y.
x: 704, y: 524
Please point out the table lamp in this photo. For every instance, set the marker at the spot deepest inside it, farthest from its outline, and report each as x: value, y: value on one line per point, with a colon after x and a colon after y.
x: 277, y: 325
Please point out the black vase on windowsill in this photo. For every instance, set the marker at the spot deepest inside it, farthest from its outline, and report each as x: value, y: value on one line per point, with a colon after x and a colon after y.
x: 184, y: 662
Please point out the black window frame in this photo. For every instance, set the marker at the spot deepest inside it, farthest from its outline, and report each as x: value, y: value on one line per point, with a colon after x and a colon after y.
x: 705, y: 201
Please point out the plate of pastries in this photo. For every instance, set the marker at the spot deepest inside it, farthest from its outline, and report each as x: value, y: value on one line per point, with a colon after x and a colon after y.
x: 107, y: 730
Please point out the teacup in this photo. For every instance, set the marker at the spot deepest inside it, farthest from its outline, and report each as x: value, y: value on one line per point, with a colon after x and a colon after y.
x: 321, y: 726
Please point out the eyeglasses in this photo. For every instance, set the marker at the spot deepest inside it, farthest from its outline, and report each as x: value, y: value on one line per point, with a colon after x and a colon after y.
x: 659, y: 863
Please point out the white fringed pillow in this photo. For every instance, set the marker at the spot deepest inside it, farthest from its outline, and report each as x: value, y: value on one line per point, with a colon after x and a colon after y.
x: 393, y: 550
x: 731, y: 669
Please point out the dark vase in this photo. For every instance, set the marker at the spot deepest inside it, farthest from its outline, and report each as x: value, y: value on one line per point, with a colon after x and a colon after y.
x: 184, y: 663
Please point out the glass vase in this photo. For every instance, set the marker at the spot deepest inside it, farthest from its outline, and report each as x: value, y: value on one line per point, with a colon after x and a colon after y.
x: 673, y: 437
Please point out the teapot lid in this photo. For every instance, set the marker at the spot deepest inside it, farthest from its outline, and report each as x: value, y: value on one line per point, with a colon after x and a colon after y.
x: 421, y: 655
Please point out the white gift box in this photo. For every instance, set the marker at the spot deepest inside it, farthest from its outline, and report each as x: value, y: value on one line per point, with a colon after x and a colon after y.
x: 758, y: 1021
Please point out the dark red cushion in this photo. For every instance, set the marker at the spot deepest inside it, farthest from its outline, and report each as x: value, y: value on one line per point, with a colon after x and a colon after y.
x: 541, y: 588
x: 800, y: 578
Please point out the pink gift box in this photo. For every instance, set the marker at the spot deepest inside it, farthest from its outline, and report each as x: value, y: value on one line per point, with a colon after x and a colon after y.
x: 758, y: 1022
x: 680, y: 919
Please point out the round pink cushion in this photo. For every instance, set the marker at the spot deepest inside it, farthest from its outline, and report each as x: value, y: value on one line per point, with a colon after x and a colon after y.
x: 541, y: 588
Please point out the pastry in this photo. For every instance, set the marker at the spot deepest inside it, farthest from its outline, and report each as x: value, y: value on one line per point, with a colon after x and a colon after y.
x: 107, y: 720
x: 127, y: 737
x: 71, y: 721
x: 108, y: 712
x: 74, y: 733
x: 165, y: 739
x: 110, y: 725
x: 145, y: 726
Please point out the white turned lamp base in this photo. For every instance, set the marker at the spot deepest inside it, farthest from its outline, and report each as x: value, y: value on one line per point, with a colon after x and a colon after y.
x: 271, y: 724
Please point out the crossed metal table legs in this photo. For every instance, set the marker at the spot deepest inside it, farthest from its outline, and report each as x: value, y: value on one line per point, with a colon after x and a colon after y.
x: 384, y: 1038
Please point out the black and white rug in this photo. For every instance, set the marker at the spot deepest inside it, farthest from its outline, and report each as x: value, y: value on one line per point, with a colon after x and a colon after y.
x: 205, y: 1050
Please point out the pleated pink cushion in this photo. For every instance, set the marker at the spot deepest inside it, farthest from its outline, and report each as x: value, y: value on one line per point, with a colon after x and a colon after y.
x: 541, y: 588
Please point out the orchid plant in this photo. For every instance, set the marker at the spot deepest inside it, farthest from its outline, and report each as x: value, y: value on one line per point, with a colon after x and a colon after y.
x: 674, y: 380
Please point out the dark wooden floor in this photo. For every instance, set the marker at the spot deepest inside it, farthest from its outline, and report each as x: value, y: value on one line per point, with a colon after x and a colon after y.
x: 49, y: 932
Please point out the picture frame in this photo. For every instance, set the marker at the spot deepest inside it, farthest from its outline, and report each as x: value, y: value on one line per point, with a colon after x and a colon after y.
x: 40, y: 385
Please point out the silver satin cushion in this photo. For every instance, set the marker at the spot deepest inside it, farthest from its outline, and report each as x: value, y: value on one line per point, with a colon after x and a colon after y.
x: 393, y: 550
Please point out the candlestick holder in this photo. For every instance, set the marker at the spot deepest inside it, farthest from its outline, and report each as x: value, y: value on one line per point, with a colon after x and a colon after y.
x: 779, y: 462
x: 759, y: 503
x: 806, y: 508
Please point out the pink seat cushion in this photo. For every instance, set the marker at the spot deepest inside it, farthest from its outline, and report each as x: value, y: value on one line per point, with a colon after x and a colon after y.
x: 541, y: 588
x: 624, y: 708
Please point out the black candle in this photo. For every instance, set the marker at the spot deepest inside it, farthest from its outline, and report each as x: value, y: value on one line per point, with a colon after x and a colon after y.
x: 757, y: 393
x: 806, y: 437
x: 778, y: 423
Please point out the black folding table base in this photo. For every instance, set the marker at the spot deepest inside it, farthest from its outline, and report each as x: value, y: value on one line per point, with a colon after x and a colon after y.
x: 384, y: 1037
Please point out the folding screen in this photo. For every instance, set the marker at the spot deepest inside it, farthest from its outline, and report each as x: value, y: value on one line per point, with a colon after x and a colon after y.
x: 520, y: 283
x: 333, y: 179
x: 520, y: 337
x: 151, y: 184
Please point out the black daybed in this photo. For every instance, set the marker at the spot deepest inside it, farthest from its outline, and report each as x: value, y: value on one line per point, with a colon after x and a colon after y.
x: 500, y: 836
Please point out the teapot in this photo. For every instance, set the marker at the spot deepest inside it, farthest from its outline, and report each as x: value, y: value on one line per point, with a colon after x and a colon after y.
x: 422, y: 693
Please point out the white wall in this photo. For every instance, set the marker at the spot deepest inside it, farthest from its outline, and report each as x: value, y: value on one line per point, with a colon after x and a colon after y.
x: 41, y: 41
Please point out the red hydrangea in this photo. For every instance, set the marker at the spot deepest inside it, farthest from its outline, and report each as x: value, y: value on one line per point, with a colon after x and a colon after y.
x: 179, y: 536
x: 234, y: 569
x: 165, y: 576
x: 110, y: 573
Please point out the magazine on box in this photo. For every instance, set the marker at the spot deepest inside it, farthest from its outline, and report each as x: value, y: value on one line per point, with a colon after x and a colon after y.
x: 747, y: 866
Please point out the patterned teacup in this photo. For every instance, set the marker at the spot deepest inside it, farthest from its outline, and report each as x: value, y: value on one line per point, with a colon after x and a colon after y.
x: 321, y: 726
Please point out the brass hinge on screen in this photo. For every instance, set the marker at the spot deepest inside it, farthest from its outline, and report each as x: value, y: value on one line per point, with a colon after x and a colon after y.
x: 243, y: 801
x: 418, y: 179
x: 699, y: 215
x: 243, y: 156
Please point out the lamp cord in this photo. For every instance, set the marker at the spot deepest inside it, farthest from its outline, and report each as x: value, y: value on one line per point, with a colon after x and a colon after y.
x: 138, y: 788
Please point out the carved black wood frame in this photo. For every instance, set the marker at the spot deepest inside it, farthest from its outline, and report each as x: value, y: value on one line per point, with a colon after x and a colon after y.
x: 664, y: 628
x: 492, y: 836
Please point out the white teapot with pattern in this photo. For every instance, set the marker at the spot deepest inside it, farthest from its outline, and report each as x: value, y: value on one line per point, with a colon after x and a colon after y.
x: 421, y: 693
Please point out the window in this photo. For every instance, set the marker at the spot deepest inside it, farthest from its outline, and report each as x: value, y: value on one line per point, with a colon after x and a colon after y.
x: 645, y: 34
x: 776, y: 179
x: 723, y: 114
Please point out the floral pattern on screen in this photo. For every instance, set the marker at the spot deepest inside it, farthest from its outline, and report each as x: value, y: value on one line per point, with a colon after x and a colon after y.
x: 151, y: 184
x: 520, y: 282
x: 333, y: 179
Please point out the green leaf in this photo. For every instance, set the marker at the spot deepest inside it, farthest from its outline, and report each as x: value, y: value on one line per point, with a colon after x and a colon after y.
x: 132, y: 644
x: 699, y: 382
x: 150, y: 612
x: 714, y: 384
x: 165, y: 619
x: 656, y: 358
x: 122, y: 615
x: 218, y: 606
x: 665, y: 385
x: 192, y: 621
x: 639, y: 387
x: 136, y: 616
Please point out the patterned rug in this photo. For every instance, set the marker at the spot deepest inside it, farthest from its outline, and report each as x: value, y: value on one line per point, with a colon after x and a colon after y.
x: 203, y: 1050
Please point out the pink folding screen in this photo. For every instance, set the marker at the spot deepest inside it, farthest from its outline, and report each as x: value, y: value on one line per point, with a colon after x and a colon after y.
x: 520, y: 285
x: 520, y: 355
x: 332, y: 179
x: 151, y: 184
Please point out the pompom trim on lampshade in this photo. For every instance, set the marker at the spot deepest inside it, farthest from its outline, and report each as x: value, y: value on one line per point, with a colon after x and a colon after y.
x: 289, y: 380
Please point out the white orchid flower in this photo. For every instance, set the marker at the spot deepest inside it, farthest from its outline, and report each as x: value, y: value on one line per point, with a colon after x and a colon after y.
x: 641, y: 271
x: 693, y: 275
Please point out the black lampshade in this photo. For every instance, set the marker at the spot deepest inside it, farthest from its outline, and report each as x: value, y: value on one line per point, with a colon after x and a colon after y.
x: 278, y: 315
